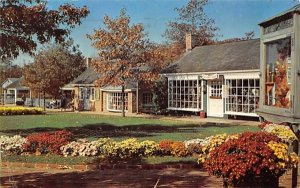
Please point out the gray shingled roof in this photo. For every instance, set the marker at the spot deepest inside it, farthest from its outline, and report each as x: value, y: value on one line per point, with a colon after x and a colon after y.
x: 87, y: 77
x: 16, y: 83
x: 241, y: 55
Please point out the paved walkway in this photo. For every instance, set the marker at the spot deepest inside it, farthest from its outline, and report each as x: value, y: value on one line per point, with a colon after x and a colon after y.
x: 26, y: 177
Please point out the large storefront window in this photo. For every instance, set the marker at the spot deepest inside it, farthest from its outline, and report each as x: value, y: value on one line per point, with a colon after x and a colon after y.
x: 242, y: 95
x: 185, y: 94
x: 278, y: 73
x: 115, y: 101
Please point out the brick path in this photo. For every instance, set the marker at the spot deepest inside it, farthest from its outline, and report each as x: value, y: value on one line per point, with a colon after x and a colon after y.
x: 27, y: 177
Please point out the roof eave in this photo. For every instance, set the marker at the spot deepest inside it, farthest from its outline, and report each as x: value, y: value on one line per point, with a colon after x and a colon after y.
x: 280, y: 16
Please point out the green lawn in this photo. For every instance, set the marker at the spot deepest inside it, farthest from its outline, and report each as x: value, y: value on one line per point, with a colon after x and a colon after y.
x: 98, y: 126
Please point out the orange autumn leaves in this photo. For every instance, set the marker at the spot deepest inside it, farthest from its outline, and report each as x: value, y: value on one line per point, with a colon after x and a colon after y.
x: 125, y: 53
x: 25, y: 23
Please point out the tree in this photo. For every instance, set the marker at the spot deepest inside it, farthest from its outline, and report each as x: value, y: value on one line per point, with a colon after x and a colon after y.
x: 124, y: 52
x: 248, y: 36
x: 192, y: 19
x: 10, y: 71
x: 26, y: 22
x: 53, y: 67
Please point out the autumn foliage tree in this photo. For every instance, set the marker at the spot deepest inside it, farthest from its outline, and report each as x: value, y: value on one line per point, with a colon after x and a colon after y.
x: 192, y: 19
x: 125, y: 53
x: 24, y: 23
x: 8, y: 70
x: 53, y: 67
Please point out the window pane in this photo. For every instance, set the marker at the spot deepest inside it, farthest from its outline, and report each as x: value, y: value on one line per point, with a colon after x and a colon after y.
x: 278, y: 63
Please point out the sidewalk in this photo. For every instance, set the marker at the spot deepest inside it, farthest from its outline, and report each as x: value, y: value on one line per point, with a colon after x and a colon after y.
x: 26, y: 177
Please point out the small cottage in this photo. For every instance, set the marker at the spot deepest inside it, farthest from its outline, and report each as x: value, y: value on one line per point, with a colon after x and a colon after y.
x: 90, y: 97
x: 221, y: 80
x: 13, y: 90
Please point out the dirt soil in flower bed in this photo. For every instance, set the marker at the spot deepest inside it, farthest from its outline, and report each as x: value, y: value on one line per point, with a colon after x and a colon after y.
x: 170, y: 177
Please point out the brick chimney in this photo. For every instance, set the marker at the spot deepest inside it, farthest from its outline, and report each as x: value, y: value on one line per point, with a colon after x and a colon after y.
x: 190, y: 41
x: 88, y: 62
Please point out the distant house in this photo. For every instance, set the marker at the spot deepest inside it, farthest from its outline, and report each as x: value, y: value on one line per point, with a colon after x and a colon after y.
x: 13, y: 90
x: 221, y: 80
x: 107, y: 99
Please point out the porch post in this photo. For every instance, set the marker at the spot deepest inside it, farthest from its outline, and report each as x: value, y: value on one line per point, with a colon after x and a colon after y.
x: 16, y: 95
x: 5, y: 95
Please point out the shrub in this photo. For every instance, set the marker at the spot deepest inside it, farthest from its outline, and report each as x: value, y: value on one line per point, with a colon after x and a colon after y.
x: 126, y: 149
x: 18, y: 110
x: 47, y: 142
x: 245, y: 158
x: 178, y: 149
x: 165, y: 146
x: 12, y: 145
x: 211, y: 143
x: 149, y: 148
x: 282, y: 131
x: 193, y: 141
x: 194, y: 148
x: 81, y: 147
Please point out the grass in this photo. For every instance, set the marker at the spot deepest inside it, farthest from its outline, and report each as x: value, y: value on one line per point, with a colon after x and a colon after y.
x: 99, y: 126
x: 57, y: 159
x: 51, y: 159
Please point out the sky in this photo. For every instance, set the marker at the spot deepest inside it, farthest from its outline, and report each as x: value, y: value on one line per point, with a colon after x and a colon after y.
x: 233, y: 17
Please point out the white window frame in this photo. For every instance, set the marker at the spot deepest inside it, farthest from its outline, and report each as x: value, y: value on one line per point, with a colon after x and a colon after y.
x: 81, y: 93
x: 92, y: 96
x: 185, y: 94
x: 216, y: 89
x: 114, y: 98
x: 241, y: 96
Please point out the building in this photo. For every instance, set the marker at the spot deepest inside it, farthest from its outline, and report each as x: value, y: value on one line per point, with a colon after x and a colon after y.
x: 13, y: 90
x: 107, y: 99
x: 221, y: 80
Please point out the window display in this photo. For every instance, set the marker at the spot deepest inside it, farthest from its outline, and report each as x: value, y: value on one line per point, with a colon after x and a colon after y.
x: 115, y: 101
x: 278, y: 67
x: 242, y: 95
x: 185, y: 94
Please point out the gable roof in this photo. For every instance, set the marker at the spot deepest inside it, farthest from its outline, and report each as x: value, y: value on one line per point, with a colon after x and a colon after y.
x: 283, y: 15
x: 89, y: 76
x: 241, y: 55
x: 13, y: 83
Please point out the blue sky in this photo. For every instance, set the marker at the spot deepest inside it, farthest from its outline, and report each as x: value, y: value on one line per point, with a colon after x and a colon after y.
x: 233, y: 17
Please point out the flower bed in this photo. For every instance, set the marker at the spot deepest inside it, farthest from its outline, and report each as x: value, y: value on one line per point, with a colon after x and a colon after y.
x: 16, y: 110
x: 12, y: 145
x: 239, y: 159
x: 45, y: 142
x: 252, y: 157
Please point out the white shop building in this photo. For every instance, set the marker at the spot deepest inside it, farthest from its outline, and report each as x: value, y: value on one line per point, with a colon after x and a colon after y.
x: 221, y: 80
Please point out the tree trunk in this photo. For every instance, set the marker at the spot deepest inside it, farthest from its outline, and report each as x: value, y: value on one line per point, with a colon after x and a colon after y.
x: 44, y: 101
x: 39, y: 94
x: 123, y: 100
